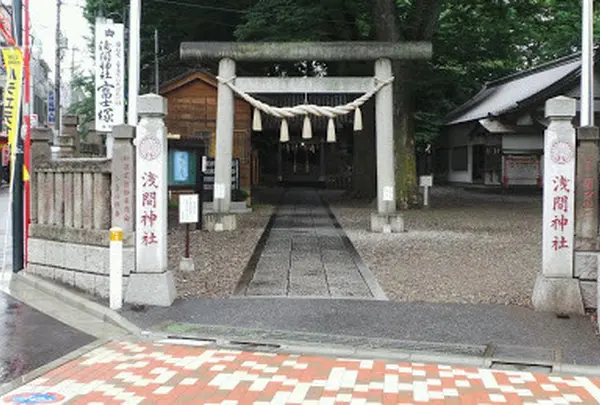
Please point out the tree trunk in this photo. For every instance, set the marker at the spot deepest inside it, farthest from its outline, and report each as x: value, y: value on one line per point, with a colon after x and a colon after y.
x: 407, y: 191
x: 423, y: 20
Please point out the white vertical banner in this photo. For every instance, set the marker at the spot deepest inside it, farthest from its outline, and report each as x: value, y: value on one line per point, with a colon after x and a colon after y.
x: 559, y: 189
x: 110, y: 78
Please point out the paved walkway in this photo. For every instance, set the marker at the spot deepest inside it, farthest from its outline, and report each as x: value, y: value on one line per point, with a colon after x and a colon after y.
x: 306, y: 255
x: 5, y: 229
x: 41, y: 330
x: 29, y: 339
x: 162, y: 373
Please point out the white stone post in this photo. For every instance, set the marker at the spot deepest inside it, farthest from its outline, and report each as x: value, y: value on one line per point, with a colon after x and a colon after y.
x: 556, y: 289
x: 386, y: 219
x: 559, y: 189
x: 116, y: 268
x: 224, y: 144
x: 151, y: 283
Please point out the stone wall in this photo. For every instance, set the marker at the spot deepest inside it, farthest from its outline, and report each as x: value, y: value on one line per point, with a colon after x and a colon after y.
x: 586, y: 270
x: 73, y: 209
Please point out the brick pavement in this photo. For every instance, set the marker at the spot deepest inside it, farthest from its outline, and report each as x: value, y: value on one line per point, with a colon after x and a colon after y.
x: 123, y: 372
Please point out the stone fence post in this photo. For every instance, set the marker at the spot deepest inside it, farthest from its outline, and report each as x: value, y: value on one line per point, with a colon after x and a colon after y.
x: 40, y: 152
x: 556, y: 289
x: 587, y: 256
x: 123, y: 178
x: 68, y: 140
x: 587, y: 190
x: 40, y: 145
x: 151, y: 283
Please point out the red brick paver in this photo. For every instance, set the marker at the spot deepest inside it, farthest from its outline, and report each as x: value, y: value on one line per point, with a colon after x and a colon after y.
x: 156, y: 373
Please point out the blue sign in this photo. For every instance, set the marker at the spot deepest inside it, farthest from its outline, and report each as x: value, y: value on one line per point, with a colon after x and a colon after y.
x: 51, y: 108
x: 35, y: 398
x: 181, y: 166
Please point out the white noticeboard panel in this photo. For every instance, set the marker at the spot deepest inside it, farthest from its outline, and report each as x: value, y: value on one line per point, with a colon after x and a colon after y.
x: 426, y: 181
x: 110, y: 75
x: 219, y: 190
x: 188, y: 208
x: 388, y: 194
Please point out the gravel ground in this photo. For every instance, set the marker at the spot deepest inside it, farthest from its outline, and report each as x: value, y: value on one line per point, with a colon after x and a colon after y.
x: 469, y: 247
x: 220, y: 257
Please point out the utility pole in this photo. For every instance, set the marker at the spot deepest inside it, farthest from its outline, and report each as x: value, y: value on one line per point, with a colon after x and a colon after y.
x: 156, y: 77
x: 134, y: 60
x: 587, y: 62
x: 58, y: 50
x: 18, y: 198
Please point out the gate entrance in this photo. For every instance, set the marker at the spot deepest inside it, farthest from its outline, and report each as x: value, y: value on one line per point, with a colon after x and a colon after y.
x: 386, y: 219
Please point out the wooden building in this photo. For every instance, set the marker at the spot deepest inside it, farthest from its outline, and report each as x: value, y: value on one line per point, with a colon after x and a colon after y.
x: 191, y: 122
x: 497, y: 137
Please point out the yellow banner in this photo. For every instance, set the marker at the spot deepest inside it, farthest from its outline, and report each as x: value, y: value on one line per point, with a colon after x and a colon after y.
x: 12, y: 94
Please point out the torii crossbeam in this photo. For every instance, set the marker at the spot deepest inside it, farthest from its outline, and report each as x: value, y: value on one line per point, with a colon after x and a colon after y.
x: 386, y: 219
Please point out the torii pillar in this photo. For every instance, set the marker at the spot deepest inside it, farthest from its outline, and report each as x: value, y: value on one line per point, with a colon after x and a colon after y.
x: 386, y: 219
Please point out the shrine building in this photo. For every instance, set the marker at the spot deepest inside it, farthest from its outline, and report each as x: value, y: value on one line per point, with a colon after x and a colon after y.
x: 259, y: 156
x: 497, y: 137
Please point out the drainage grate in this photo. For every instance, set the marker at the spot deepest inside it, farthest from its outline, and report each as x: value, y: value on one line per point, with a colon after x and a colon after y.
x: 531, y: 368
x: 252, y: 345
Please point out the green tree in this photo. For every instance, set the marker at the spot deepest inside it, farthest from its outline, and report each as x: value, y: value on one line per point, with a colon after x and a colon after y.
x: 176, y: 21
x: 86, y: 107
x: 474, y: 41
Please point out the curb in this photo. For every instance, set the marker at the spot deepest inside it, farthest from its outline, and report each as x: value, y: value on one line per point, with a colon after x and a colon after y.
x: 244, y: 281
x: 40, y: 371
x: 329, y: 350
x: 228, y: 338
x: 91, y: 308
x: 365, y: 272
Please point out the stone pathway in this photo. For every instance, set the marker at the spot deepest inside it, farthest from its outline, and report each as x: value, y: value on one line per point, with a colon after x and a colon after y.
x: 132, y: 373
x: 307, y: 255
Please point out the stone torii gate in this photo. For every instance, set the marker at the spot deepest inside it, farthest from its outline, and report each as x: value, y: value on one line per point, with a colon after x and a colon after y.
x: 382, y: 53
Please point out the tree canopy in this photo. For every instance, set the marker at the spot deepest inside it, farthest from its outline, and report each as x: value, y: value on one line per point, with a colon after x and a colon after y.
x: 474, y: 41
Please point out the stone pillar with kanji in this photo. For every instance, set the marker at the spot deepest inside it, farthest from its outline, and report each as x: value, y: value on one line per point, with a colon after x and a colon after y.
x: 556, y: 289
x: 151, y: 283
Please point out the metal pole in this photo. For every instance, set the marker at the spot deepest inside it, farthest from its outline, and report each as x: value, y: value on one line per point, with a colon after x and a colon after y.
x: 587, y: 65
x: 17, y: 204
x: 58, y: 52
x: 27, y: 142
x: 134, y: 61
x: 156, y: 79
x: 200, y: 186
x: 187, y: 241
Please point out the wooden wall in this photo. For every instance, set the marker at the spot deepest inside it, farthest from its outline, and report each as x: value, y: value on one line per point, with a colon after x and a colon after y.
x: 193, y: 109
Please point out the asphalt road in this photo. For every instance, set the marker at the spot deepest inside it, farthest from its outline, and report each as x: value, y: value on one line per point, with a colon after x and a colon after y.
x: 417, y: 321
x: 29, y: 339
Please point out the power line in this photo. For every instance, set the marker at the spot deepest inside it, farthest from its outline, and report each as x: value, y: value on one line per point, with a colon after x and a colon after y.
x: 215, y: 8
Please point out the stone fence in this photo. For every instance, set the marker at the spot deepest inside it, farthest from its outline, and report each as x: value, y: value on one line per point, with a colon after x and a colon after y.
x: 91, y: 149
x: 73, y: 208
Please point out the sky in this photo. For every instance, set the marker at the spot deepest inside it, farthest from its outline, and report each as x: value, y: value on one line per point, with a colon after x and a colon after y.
x: 73, y: 26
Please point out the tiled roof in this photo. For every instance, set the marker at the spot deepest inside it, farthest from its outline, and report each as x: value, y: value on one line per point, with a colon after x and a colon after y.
x: 513, y: 92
